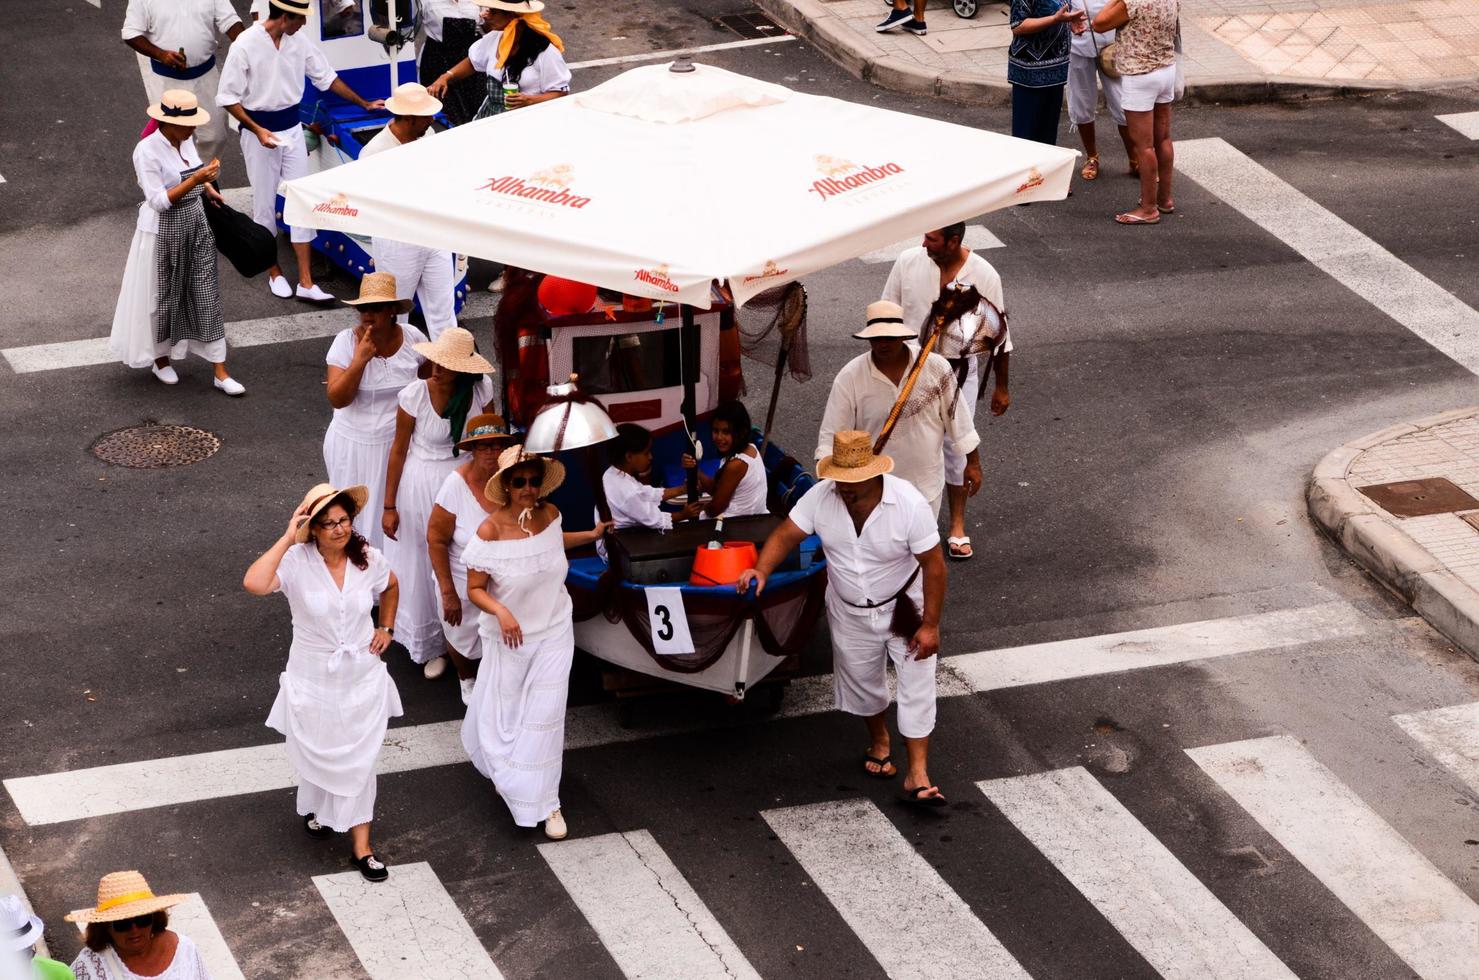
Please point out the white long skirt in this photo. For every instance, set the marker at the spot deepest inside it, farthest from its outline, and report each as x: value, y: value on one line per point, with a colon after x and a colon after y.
x: 132, y: 338
x: 349, y: 460
x: 464, y: 637
x: 337, y: 812
x: 418, y: 618
x: 514, y: 730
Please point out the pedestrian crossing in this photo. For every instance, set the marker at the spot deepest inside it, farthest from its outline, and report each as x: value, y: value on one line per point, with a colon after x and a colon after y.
x: 1464, y: 123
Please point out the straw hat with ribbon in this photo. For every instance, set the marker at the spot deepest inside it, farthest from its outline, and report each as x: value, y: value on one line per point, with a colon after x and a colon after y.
x: 455, y: 350
x: 512, y: 6
x: 379, y: 287
x: 412, y: 99
x: 852, y: 459
x: 125, y: 895
x: 320, y: 497
x: 885, y: 320
x: 179, y: 108
x: 299, y: 7
x: 554, y: 474
x: 528, y: 12
x: 485, y: 428
x: 19, y: 929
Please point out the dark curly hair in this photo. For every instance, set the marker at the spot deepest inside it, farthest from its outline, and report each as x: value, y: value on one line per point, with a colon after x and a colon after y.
x: 99, y: 937
x: 355, y: 549
x: 737, y: 416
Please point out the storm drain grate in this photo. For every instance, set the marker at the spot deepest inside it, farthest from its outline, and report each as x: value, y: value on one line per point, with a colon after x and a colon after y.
x: 1420, y: 498
x: 752, y: 25
x: 152, y: 447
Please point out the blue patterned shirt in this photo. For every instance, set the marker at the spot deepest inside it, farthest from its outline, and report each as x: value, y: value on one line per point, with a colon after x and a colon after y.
x: 1038, y: 60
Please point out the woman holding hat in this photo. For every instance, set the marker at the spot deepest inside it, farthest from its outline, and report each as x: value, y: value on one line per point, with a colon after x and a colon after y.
x: 170, y: 302
x: 461, y: 507
x: 431, y: 415
x: 368, y: 365
x: 522, y: 55
x: 514, y: 731
x: 335, y: 698
x: 127, y: 935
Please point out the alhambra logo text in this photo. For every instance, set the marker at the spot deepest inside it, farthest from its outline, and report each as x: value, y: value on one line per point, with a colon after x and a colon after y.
x: 548, y: 186
x: 338, y: 204
x: 658, y: 277
x: 841, y: 176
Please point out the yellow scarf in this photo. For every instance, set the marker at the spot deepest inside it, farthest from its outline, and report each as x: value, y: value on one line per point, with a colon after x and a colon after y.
x: 535, y: 23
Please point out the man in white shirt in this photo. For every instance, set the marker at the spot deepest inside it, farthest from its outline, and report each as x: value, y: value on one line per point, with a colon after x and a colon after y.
x: 915, y: 282
x: 429, y: 274
x: 881, y: 541
x: 261, y: 87
x: 867, y: 387
x: 177, y: 42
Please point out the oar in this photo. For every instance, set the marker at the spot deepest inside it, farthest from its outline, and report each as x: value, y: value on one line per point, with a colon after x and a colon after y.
x: 951, y: 304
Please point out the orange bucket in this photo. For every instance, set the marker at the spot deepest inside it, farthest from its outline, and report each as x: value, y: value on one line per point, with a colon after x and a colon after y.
x: 722, y: 566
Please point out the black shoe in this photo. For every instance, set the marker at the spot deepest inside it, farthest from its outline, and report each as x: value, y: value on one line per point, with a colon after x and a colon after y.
x: 894, y: 19
x: 315, y: 829
x: 371, y: 868
x: 915, y: 27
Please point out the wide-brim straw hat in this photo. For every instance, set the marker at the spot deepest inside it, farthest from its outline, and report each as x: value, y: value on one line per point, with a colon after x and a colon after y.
x: 379, y: 287
x: 554, y: 474
x: 486, y: 428
x: 320, y: 497
x: 852, y: 459
x: 124, y: 895
x: 522, y: 7
x: 179, y: 108
x: 412, y: 99
x: 885, y: 320
x: 455, y: 350
x: 19, y: 928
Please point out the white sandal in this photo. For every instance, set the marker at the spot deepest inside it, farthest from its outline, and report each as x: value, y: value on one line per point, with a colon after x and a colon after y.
x: 953, y: 543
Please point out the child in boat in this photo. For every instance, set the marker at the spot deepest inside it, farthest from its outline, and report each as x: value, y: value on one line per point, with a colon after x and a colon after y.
x: 740, y: 486
x: 633, y: 502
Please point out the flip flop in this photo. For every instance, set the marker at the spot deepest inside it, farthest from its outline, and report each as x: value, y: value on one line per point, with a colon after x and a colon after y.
x: 884, y: 764
x: 1170, y: 210
x: 912, y: 797
x: 957, y: 543
x: 1129, y: 218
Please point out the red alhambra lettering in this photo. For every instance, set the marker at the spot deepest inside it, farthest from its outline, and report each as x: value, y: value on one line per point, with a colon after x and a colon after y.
x: 653, y: 279
x: 344, y: 209
x: 833, y: 186
x: 514, y: 187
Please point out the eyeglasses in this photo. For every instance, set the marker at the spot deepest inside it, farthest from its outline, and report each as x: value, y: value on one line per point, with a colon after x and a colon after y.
x: 335, y: 525
x: 519, y: 482
x: 137, y: 922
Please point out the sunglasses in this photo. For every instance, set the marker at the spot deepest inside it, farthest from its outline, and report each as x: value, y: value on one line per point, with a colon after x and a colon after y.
x: 334, y: 525
x: 137, y: 922
x: 519, y: 482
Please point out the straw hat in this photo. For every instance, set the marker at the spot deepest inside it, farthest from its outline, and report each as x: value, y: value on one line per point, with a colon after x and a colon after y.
x: 455, y: 350
x: 124, y: 895
x: 294, y: 6
x: 554, y: 474
x: 852, y: 459
x: 379, y: 287
x: 520, y: 7
x: 885, y: 319
x: 320, y: 497
x: 486, y: 427
x: 412, y: 99
x: 179, y: 108
x: 19, y: 929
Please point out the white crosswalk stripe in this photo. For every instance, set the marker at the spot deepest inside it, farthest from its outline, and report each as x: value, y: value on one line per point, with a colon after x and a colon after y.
x: 192, y: 918
x: 407, y: 926
x: 1466, y: 123
x: 909, y: 919
x: 977, y: 237
x: 648, y: 917
x: 1131, y: 878
x: 1451, y: 735
x: 1420, y: 914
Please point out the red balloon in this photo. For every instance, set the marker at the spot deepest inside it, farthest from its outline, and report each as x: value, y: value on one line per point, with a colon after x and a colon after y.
x: 562, y: 297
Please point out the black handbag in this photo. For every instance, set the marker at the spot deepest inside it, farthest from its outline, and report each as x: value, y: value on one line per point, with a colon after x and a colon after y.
x: 251, y: 248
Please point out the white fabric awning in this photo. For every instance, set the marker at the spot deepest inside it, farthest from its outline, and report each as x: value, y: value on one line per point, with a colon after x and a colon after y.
x: 655, y: 183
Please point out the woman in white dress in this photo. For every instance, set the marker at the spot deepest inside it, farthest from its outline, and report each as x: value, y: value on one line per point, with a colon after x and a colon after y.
x: 368, y: 365
x: 170, y: 302
x: 521, y: 54
x: 740, y: 486
x: 514, y: 731
x: 430, y: 417
x: 461, y: 507
x: 127, y: 935
x: 335, y: 698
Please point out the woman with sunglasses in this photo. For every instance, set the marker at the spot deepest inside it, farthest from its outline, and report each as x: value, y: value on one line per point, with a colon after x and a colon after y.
x: 514, y: 730
x: 335, y: 698
x: 127, y: 935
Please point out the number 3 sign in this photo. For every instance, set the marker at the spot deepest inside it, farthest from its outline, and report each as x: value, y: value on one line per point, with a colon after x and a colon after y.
x: 669, y: 622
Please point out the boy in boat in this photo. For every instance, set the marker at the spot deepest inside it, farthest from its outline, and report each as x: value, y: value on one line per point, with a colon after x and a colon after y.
x: 634, y: 502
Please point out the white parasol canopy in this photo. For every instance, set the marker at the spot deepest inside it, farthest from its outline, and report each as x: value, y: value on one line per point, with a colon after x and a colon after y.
x: 657, y: 182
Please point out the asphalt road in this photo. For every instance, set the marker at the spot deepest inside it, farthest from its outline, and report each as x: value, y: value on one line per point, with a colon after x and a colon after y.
x: 1172, y: 389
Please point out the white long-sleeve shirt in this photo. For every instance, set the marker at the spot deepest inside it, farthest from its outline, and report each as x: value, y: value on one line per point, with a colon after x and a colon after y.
x: 157, y: 167
x: 176, y: 24
x: 260, y: 75
x: 861, y: 398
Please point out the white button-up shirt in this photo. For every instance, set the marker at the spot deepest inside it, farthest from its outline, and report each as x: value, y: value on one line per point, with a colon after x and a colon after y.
x: 262, y: 75
x: 176, y: 24
x: 861, y: 398
x: 157, y: 167
x: 546, y: 73
x: 869, y: 568
x: 914, y: 283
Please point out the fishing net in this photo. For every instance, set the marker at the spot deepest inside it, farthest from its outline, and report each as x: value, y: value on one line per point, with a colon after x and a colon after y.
x: 775, y: 321
x: 979, y: 332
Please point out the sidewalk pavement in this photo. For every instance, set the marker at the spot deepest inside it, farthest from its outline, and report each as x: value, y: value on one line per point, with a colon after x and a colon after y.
x: 1431, y: 560
x: 1234, y: 50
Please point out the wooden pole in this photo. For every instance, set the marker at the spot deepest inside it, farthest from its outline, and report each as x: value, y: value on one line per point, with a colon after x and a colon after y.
x: 688, y: 336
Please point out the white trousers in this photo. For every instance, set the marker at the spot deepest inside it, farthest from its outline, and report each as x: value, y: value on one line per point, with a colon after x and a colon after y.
x: 429, y: 274
x: 266, y: 169
x: 955, y: 461
x: 210, y: 139
x: 1084, y: 77
x: 862, y: 646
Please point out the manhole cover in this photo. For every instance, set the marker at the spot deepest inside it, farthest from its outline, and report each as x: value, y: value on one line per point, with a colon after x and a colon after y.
x: 752, y: 25
x: 149, y: 447
x: 1419, y: 498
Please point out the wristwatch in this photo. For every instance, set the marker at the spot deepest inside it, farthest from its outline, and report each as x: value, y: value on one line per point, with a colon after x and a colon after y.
x: 388, y: 629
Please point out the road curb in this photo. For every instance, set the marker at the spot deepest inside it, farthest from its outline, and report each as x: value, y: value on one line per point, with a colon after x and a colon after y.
x: 10, y: 884
x: 1376, y: 541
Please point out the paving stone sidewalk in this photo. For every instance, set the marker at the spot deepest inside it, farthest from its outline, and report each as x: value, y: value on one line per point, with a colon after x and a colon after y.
x: 1235, y: 50
x: 1431, y: 560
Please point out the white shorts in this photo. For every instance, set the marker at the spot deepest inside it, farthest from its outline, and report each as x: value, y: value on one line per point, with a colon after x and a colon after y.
x: 1084, y: 79
x: 862, y: 647
x: 1142, y: 93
